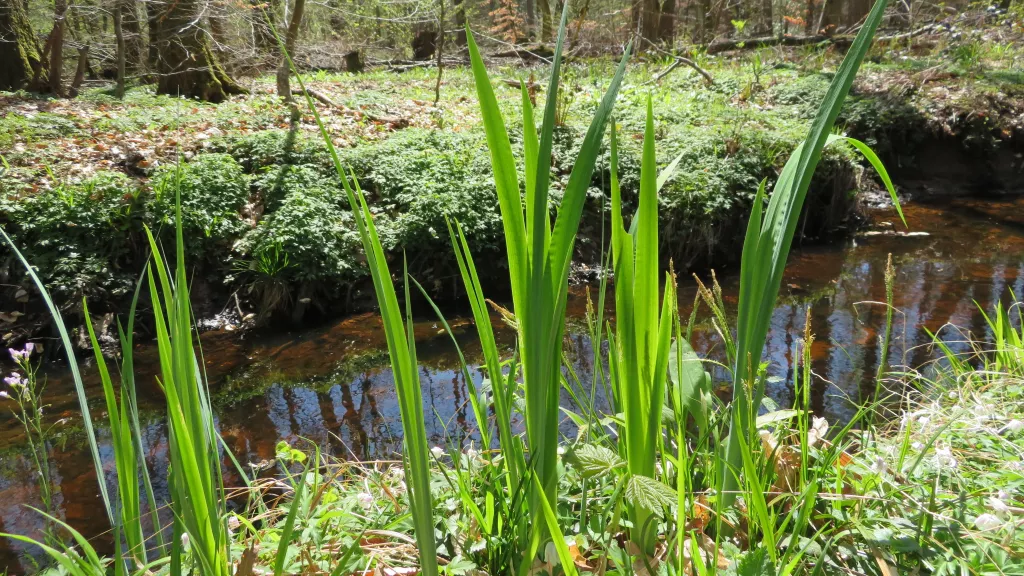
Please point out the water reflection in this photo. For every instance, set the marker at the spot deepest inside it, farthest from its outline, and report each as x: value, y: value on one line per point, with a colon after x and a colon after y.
x: 333, y: 385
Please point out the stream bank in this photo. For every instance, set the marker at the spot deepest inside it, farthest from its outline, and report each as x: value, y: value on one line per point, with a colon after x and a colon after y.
x: 270, y: 237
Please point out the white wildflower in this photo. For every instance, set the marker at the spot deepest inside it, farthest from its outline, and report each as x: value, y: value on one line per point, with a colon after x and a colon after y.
x: 879, y: 466
x: 471, y: 453
x: 234, y: 522
x: 437, y: 451
x: 818, y: 430
x: 998, y: 506
x: 918, y: 446
x: 365, y: 500
x: 184, y: 540
x: 1012, y: 427
x: 944, y: 457
x: 987, y: 522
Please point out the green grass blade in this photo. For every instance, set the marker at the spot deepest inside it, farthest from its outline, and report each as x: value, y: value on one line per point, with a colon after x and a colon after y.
x: 763, y: 261
x: 289, y: 524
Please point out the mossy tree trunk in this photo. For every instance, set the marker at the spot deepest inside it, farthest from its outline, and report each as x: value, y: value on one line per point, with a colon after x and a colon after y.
x: 20, y: 58
x: 186, y: 64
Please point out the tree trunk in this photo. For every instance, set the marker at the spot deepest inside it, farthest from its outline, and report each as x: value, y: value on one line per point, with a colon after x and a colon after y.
x: 702, y: 8
x: 809, y: 23
x: 186, y: 66
x: 218, y: 27
x: 263, y: 36
x: 20, y: 58
x: 545, y: 19
x: 831, y: 16
x: 336, y: 18
x: 646, y: 16
x: 132, y: 30
x: 667, y: 22
x: 80, y: 70
x: 354, y: 62
x: 531, y: 19
x: 440, y: 51
x: 856, y: 11
x: 153, y: 23
x: 767, y: 17
x: 291, y: 37
x: 904, y: 15
x: 119, y: 39
x: 460, y: 22
x: 56, y: 42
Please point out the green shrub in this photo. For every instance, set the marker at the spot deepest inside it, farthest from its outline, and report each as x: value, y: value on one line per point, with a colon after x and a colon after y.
x: 417, y: 177
x: 802, y: 92
x: 275, y: 183
x: 214, y: 191
x: 274, y: 147
x: 83, y: 238
x: 309, y: 241
x: 887, y: 121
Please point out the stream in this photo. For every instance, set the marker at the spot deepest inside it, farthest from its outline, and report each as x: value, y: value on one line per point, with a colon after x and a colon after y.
x: 332, y: 384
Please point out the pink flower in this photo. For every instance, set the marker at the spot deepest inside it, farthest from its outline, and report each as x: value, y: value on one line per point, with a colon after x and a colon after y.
x: 15, y: 379
x: 18, y: 355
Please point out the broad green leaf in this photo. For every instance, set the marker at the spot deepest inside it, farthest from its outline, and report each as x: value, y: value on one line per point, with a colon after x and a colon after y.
x: 596, y: 460
x: 649, y: 493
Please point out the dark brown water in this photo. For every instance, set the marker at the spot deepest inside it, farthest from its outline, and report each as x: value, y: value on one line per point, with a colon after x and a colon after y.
x: 332, y: 385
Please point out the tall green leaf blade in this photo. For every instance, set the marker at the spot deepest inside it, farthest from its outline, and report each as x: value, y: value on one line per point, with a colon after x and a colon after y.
x: 764, y: 275
x: 506, y: 180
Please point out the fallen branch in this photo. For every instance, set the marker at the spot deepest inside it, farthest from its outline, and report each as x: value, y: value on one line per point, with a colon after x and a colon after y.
x: 840, y: 40
x: 528, y: 52
x: 680, y: 61
x: 318, y: 96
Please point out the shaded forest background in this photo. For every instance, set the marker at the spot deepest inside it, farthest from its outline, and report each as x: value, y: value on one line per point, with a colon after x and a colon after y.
x: 196, y: 48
